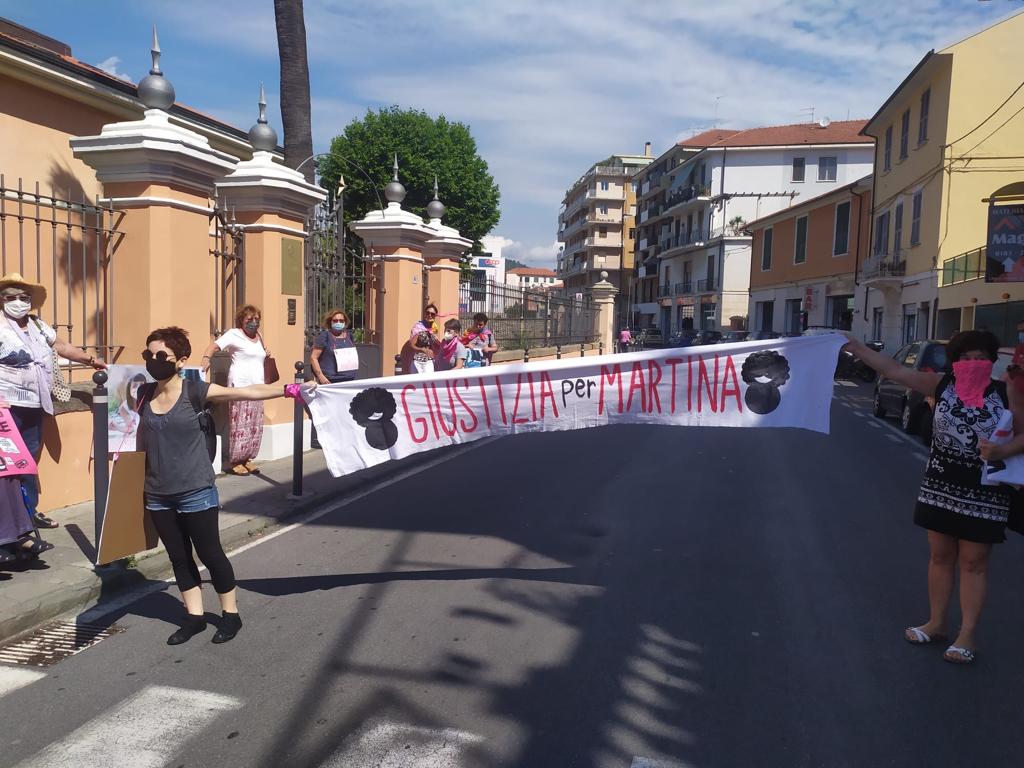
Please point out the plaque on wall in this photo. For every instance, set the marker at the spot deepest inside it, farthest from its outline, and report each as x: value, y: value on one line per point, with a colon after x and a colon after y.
x: 291, y: 266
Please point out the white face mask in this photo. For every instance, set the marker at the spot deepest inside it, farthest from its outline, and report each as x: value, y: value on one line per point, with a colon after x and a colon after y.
x: 449, y: 335
x: 17, y: 309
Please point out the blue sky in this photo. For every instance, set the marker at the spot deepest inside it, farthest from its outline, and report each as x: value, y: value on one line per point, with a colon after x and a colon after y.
x: 547, y: 88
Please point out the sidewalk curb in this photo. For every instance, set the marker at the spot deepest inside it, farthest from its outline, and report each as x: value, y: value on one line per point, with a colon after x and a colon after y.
x: 112, y: 580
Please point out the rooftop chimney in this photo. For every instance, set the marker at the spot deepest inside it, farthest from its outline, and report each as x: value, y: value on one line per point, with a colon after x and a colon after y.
x: 647, y: 149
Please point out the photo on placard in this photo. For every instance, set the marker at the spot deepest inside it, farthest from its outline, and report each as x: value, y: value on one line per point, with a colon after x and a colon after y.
x: 124, y: 383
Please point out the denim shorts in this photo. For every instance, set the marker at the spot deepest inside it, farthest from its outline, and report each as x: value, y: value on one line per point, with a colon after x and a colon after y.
x: 189, y: 501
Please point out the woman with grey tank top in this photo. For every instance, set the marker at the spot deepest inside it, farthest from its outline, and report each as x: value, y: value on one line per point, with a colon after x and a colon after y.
x: 180, y: 493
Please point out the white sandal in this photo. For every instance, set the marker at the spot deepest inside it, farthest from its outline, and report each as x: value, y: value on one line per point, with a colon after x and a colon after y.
x: 957, y: 655
x: 917, y: 636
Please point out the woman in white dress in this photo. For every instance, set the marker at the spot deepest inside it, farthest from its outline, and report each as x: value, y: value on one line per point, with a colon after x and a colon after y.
x: 248, y: 353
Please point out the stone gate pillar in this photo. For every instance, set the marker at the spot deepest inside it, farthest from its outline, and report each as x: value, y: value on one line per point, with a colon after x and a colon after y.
x: 272, y: 204
x: 604, y: 294
x: 394, y: 240
x: 161, y: 176
x: 442, y: 255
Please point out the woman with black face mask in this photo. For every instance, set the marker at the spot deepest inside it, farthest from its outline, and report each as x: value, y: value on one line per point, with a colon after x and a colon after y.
x: 245, y: 345
x: 180, y: 493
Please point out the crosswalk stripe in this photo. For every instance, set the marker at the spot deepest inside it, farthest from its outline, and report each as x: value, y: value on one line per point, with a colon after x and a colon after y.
x: 395, y: 745
x: 13, y: 678
x: 144, y: 731
x: 646, y: 762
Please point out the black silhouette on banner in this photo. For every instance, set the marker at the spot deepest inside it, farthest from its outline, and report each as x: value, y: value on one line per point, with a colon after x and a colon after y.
x: 763, y: 397
x: 374, y: 409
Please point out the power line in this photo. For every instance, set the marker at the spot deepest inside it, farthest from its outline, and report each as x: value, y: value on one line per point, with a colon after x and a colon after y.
x: 1005, y: 101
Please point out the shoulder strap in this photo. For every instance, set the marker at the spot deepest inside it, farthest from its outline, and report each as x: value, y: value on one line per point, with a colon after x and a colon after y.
x: 192, y: 392
x: 943, y: 383
x: 1000, y: 387
x: 39, y: 327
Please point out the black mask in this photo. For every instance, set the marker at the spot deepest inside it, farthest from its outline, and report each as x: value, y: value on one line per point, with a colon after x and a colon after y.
x: 161, y: 370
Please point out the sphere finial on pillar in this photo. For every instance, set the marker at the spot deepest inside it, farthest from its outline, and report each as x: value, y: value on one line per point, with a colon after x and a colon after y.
x: 262, y: 137
x: 435, y: 208
x: 394, y: 192
x: 155, y: 90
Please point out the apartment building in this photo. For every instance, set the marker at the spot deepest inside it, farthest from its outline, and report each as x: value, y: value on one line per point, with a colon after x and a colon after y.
x: 805, y: 259
x: 534, y: 278
x: 947, y: 140
x: 596, y: 226
x: 725, y: 179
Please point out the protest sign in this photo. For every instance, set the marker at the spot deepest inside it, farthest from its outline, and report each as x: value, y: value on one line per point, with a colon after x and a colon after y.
x: 771, y: 383
x: 14, y: 456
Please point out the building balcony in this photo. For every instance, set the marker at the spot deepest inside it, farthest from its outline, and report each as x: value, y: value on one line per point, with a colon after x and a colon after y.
x: 966, y: 266
x: 596, y: 193
x: 682, y: 289
x: 884, y: 271
x: 604, y: 242
x: 665, y: 290
x: 707, y: 286
x: 694, y: 193
x: 645, y: 187
x: 642, y: 245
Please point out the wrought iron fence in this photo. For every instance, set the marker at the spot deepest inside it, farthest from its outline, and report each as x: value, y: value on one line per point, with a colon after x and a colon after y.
x: 526, y: 319
x: 227, y: 247
x: 336, y: 275
x: 68, y: 246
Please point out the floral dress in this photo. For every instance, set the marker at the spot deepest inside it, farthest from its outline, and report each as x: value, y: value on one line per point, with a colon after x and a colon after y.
x: 952, y: 499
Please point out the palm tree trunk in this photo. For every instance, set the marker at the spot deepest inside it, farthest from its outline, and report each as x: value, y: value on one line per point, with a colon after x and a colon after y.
x: 295, y: 112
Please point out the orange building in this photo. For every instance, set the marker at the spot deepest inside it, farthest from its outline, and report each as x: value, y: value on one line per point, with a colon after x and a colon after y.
x: 804, y: 261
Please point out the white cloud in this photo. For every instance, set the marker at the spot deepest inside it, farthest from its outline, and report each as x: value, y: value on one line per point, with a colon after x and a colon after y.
x: 531, y: 255
x: 549, y: 88
x: 109, y: 65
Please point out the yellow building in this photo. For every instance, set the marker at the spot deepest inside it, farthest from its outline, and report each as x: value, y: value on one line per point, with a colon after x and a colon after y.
x: 596, y: 227
x: 949, y: 137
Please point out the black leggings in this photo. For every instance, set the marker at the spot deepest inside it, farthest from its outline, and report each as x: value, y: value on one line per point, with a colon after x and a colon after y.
x: 180, y: 532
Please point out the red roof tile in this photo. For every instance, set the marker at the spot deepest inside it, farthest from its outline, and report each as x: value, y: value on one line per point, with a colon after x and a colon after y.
x: 706, y: 138
x: 838, y: 132
x: 533, y: 272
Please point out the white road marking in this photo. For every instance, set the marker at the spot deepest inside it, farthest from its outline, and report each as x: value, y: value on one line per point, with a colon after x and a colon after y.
x: 646, y: 762
x: 13, y: 678
x: 99, y: 611
x: 844, y: 383
x: 143, y: 731
x: 892, y: 438
x: 394, y: 745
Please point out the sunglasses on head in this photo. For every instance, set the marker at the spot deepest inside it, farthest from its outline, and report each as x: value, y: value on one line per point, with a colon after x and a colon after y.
x: 161, y: 355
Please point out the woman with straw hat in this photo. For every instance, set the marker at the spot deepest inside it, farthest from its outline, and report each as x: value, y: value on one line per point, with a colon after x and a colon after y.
x: 26, y: 369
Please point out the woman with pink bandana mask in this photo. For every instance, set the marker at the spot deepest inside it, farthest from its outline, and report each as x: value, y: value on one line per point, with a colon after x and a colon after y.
x: 963, y: 517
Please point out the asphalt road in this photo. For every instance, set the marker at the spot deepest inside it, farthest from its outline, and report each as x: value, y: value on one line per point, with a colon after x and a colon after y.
x: 625, y: 596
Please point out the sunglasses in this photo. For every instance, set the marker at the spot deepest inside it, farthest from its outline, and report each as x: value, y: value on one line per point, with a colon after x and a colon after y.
x: 19, y: 297
x: 430, y: 314
x: 161, y: 355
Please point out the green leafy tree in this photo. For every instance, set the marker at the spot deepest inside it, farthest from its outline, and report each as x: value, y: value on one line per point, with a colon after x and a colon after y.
x: 426, y: 147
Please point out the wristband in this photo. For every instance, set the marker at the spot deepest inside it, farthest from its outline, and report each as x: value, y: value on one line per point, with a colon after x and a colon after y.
x: 294, y: 391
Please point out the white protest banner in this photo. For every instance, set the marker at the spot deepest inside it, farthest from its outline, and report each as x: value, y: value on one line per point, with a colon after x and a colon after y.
x: 771, y: 383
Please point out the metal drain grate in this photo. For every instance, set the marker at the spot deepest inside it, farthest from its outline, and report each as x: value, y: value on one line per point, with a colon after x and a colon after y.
x: 55, y: 642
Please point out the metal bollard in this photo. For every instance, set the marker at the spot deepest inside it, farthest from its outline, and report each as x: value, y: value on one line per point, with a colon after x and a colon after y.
x: 558, y: 352
x: 583, y: 351
x: 526, y: 355
x: 297, y: 437
x: 100, y: 449
x: 398, y: 365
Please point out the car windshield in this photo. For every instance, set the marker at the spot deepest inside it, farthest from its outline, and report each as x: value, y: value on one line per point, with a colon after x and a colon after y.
x: 934, y: 357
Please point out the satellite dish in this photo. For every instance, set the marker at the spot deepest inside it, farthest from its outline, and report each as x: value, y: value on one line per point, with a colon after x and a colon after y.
x: 825, y: 122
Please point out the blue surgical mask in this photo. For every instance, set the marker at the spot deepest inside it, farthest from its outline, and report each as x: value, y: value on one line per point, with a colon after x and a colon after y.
x: 337, y: 326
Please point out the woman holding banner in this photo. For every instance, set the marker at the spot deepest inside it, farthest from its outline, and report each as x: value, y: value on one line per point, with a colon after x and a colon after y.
x: 180, y: 494
x: 334, y: 357
x: 28, y: 349
x: 963, y: 517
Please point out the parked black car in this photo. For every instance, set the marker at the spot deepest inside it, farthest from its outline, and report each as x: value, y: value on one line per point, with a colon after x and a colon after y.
x: 649, y: 338
x: 684, y: 338
x: 913, y: 408
x: 761, y: 335
x: 730, y: 337
x: 708, y: 337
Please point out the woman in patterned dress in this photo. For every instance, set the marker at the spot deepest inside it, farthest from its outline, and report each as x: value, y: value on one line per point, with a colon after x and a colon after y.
x: 963, y: 517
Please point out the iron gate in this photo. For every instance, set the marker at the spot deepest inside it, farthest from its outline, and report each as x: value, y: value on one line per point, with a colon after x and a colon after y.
x: 337, y: 278
x: 227, y: 246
